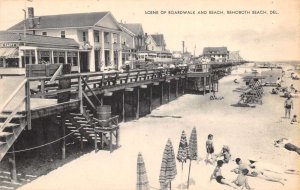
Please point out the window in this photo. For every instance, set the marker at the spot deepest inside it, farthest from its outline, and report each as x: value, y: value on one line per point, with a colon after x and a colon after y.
x: 62, y: 34
x: 96, y: 36
x: 44, y: 33
x: 115, y: 37
x: 106, y: 37
x: 84, y: 36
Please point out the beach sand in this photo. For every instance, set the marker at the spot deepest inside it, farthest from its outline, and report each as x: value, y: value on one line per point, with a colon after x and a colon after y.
x: 249, y: 132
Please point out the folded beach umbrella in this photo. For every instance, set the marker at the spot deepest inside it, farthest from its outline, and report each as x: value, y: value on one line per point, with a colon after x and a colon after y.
x: 183, y: 149
x: 193, y: 150
x: 168, y: 169
x: 142, y: 182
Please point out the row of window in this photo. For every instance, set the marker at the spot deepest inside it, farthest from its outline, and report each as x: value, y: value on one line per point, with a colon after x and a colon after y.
x: 96, y: 36
x: 62, y: 34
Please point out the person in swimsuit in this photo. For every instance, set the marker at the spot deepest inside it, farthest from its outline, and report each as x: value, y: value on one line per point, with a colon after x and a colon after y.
x: 240, y: 167
x: 242, y: 180
x: 218, y: 175
x: 225, y: 153
x: 209, y: 148
x: 288, y: 105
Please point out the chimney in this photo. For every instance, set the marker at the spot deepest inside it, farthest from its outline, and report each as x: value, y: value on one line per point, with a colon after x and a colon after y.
x: 30, y: 17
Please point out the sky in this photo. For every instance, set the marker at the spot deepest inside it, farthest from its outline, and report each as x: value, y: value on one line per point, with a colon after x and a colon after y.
x: 258, y: 37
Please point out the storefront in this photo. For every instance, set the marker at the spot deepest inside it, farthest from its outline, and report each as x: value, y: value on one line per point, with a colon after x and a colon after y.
x: 17, y: 50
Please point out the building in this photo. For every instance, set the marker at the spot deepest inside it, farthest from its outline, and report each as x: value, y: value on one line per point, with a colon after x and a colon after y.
x: 234, y: 56
x: 155, y: 42
x: 16, y: 50
x: 133, y: 40
x: 97, y: 33
x: 217, y: 54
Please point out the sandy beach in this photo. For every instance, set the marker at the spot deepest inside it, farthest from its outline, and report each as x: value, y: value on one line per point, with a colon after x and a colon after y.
x: 249, y: 132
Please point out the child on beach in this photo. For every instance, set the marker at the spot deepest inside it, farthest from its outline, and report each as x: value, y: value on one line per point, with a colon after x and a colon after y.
x: 294, y: 119
x: 240, y: 167
x: 225, y: 153
x: 209, y: 149
x: 218, y: 175
x: 242, y: 180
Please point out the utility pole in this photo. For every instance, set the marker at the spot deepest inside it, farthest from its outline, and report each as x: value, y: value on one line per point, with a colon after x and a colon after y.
x: 182, y: 47
x: 24, y: 52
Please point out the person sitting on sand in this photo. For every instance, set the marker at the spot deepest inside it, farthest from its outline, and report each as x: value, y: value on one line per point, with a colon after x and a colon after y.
x: 240, y: 167
x: 294, y: 119
x: 274, y: 91
x: 293, y: 89
x: 242, y: 180
x: 235, y: 81
x: 218, y: 175
x: 225, y: 153
x: 214, y: 97
x: 209, y: 148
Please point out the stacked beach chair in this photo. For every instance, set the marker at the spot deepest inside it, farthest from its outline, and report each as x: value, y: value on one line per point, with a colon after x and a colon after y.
x: 252, y: 94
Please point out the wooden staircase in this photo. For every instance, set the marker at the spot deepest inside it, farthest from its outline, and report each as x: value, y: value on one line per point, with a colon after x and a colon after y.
x: 10, y: 132
x: 82, y: 126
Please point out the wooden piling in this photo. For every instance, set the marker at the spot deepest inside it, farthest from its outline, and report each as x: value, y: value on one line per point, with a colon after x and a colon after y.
x: 169, y: 91
x: 12, y: 165
x: 162, y: 94
x: 63, y: 133
x: 204, y: 85
x: 209, y: 80
x: 123, y: 106
x: 176, y: 93
x: 150, y: 98
x: 137, y: 115
x: 27, y: 105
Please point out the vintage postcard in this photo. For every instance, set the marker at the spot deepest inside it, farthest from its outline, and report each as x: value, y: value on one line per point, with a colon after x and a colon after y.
x: 148, y: 95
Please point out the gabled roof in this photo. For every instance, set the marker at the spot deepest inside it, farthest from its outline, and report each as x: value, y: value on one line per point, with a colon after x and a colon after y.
x: 63, y: 21
x: 136, y: 29
x: 37, y: 39
x: 215, y: 50
x: 159, y: 39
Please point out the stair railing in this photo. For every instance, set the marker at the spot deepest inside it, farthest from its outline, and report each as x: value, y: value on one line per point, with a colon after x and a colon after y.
x: 19, y: 104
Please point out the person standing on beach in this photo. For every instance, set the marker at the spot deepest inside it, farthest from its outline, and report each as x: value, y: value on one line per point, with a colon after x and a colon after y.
x: 210, y: 148
x: 288, y: 105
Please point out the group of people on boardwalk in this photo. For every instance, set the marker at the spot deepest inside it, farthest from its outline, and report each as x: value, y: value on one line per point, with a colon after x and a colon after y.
x: 242, y: 170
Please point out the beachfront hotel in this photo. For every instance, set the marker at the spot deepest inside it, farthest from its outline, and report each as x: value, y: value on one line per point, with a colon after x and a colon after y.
x: 95, y: 39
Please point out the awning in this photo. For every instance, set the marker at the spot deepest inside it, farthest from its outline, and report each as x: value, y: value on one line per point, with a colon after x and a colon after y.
x: 9, y: 53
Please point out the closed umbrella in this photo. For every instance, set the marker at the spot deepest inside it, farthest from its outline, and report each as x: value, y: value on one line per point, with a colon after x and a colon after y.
x: 142, y: 182
x: 168, y: 169
x: 193, y: 150
x: 183, y: 151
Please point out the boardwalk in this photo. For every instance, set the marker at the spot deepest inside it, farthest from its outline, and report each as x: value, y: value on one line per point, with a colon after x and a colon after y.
x: 249, y: 132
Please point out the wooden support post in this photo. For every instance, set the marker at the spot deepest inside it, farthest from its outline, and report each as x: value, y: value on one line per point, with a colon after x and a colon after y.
x: 117, y: 137
x: 27, y: 105
x: 137, y: 115
x: 183, y: 85
x: 176, y: 93
x: 204, y: 85
x: 162, y: 94
x: 42, y: 88
x: 150, y: 99
x: 169, y: 91
x: 63, y: 133
x: 217, y: 86
x: 110, y: 141
x: 80, y: 94
x: 95, y: 142
x: 209, y: 80
x: 123, y: 106
x: 12, y: 165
